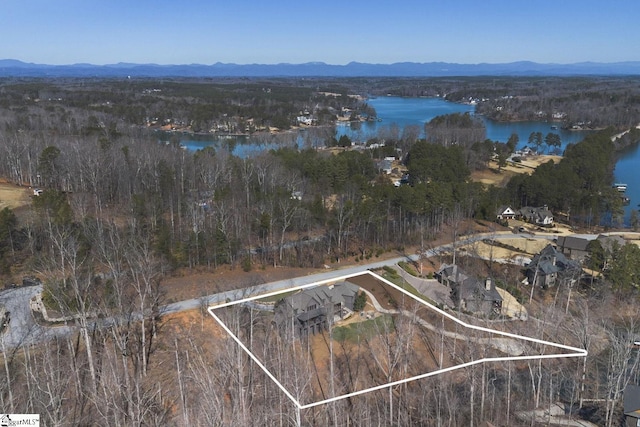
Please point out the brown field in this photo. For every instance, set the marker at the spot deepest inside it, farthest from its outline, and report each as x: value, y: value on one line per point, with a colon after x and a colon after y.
x: 13, y: 196
x: 492, y: 176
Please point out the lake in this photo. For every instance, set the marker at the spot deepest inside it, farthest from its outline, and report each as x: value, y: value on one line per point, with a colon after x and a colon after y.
x: 402, y: 112
x: 419, y: 111
x: 626, y: 171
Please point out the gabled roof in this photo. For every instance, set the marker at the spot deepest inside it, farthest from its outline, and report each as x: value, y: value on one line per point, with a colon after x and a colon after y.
x: 574, y: 242
x: 550, y: 260
x: 474, y: 288
x: 468, y: 286
x: 505, y: 209
x: 321, y: 296
x: 608, y: 242
x: 537, y: 213
x: 452, y: 272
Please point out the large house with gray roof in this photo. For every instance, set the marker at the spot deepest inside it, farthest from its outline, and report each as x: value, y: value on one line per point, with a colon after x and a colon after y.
x: 468, y: 293
x: 540, y: 216
x: 313, y: 310
x: 575, y: 246
x: 551, y: 267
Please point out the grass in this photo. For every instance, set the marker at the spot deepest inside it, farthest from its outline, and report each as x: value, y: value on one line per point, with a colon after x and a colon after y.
x: 356, y: 332
x: 393, y: 276
x: 408, y: 268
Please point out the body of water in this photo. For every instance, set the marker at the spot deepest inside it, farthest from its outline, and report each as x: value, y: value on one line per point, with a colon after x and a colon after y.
x: 627, y: 171
x: 396, y: 113
x: 403, y: 112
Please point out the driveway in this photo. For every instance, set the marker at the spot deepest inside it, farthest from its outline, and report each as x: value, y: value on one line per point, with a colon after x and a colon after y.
x: 23, y: 329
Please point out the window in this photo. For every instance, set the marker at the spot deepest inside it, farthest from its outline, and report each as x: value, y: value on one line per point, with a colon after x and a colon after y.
x: 311, y: 307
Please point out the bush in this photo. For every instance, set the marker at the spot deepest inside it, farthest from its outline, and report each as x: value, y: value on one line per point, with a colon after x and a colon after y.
x: 246, y: 264
x: 360, y: 301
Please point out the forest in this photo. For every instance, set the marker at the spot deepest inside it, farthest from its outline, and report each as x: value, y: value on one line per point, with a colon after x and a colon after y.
x: 121, y: 210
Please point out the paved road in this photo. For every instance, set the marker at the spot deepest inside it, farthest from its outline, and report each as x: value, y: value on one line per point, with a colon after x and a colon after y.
x: 23, y: 330
x: 332, y: 274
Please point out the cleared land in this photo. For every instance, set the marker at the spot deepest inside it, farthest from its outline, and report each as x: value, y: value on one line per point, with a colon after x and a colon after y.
x: 13, y: 196
x: 493, y: 176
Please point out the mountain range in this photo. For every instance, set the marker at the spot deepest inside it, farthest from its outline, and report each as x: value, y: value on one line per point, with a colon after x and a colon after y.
x: 15, y: 68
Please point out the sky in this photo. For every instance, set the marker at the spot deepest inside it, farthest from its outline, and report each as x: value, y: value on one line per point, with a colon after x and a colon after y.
x: 335, y: 32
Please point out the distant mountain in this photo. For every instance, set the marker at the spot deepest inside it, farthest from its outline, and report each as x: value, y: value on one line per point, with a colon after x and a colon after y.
x: 15, y: 68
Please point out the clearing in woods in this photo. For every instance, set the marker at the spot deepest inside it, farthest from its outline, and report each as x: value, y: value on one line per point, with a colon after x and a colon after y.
x: 13, y: 196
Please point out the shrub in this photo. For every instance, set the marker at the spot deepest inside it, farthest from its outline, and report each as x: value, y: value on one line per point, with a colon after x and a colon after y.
x: 360, y: 301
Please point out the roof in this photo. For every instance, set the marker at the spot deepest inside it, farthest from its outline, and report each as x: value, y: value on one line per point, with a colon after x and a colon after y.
x: 574, y: 243
x: 505, y: 209
x: 469, y: 286
x: 631, y: 401
x: 474, y: 288
x: 608, y: 242
x: 539, y: 213
x: 321, y: 295
x: 550, y: 261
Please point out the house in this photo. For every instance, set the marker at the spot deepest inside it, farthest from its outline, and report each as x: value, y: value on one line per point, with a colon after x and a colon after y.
x: 631, y: 406
x: 386, y: 165
x: 551, y: 267
x: 526, y: 151
x: 505, y: 212
x: 540, y: 216
x: 575, y: 247
x: 468, y: 293
x: 314, y: 310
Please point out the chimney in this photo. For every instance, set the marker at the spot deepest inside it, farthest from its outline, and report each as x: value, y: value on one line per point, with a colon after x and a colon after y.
x: 487, y: 284
x: 553, y: 260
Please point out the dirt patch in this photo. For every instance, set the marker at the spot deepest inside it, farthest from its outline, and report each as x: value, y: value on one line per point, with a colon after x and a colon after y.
x: 505, y: 248
x: 388, y: 297
x: 13, y: 196
x: 499, y: 177
x: 187, y: 284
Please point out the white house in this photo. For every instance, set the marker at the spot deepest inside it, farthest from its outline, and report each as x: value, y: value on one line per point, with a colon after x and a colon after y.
x: 505, y: 212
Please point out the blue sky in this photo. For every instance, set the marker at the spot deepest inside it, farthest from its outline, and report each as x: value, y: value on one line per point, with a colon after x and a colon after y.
x: 335, y: 32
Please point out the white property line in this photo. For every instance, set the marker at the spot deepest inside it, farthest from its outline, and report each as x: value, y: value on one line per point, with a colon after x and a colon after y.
x: 575, y: 352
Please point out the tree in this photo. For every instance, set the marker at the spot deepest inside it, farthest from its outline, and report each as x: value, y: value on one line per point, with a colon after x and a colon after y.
x: 8, y: 224
x: 360, y: 301
x: 49, y: 166
x: 512, y: 142
x: 634, y: 220
x: 596, y: 256
x: 535, y: 138
x: 437, y: 163
x: 552, y: 140
x: 624, y: 271
x: 344, y: 141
